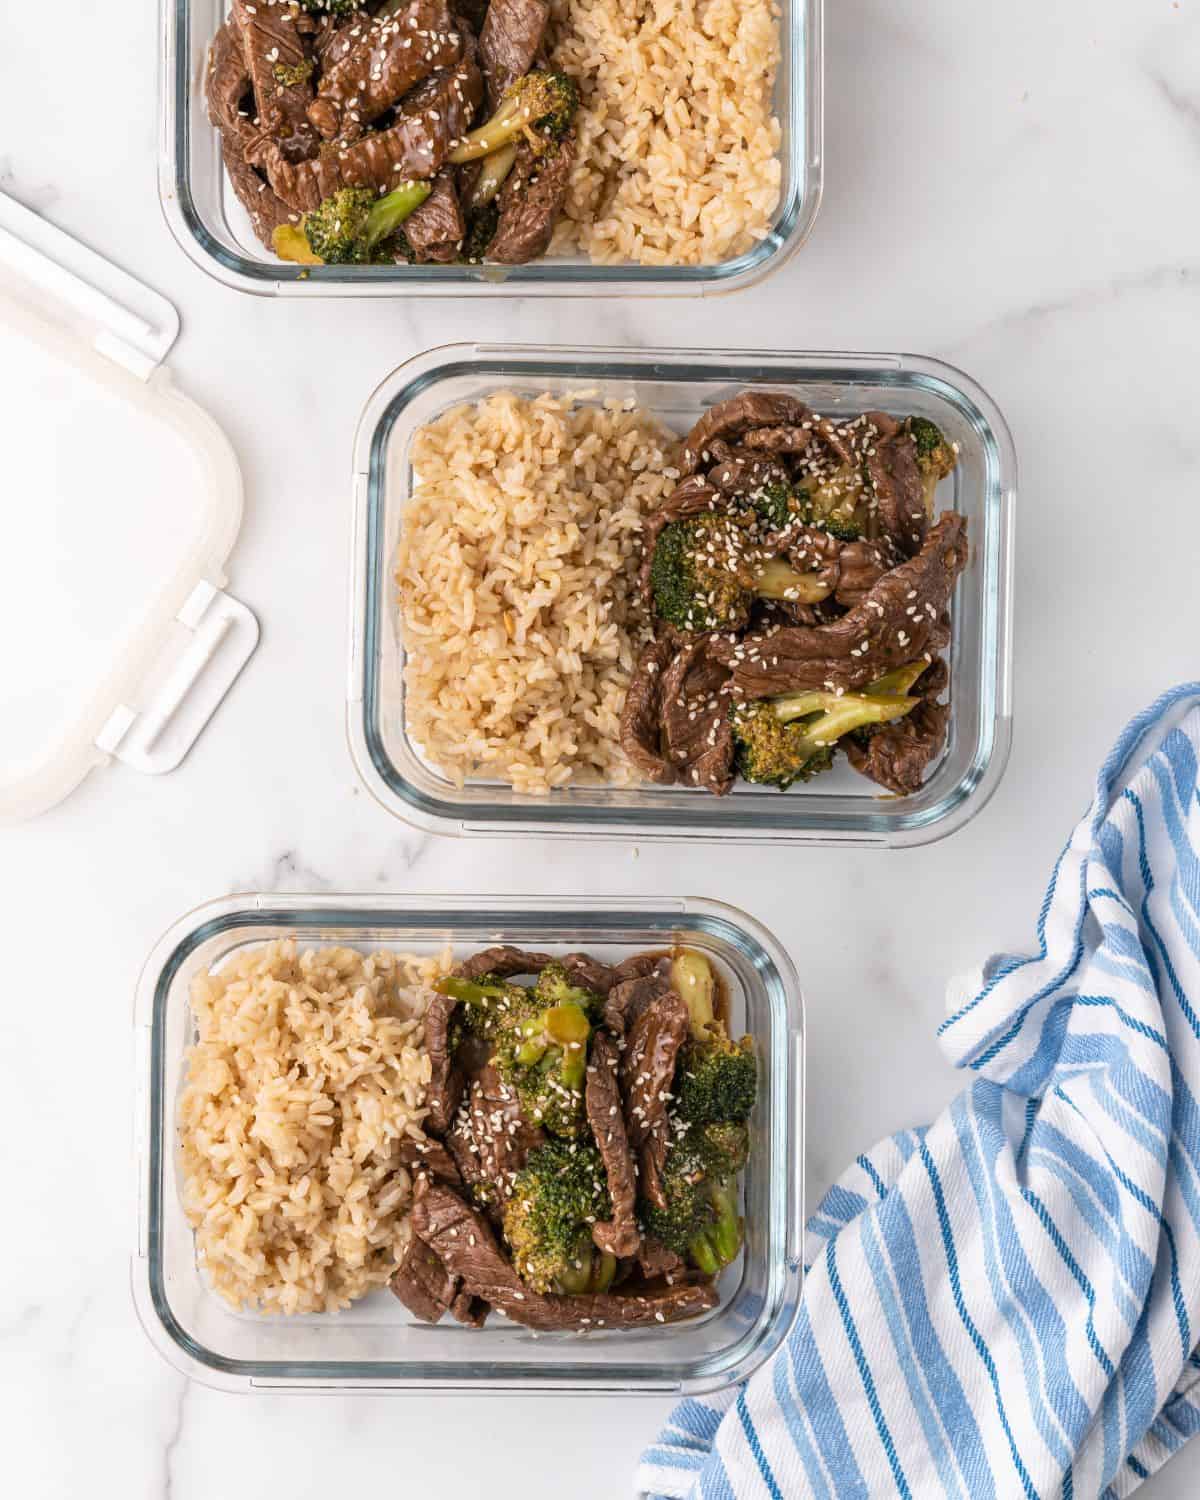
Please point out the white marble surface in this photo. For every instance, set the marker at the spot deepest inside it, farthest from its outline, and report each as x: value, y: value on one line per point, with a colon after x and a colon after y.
x: 1013, y: 188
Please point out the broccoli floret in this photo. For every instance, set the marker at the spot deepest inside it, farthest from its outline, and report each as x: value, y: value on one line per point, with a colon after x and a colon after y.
x: 540, y: 106
x: 555, y: 987
x: 352, y: 226
x: 556, y: 1198
x: 701, y: 1221
x: 717, y: 1078
x: 299, y: 72
x: 706, y: 573
x: 935, y: 457
x: 777, y: 504
x: 481, y: 231
x: 779, y: 741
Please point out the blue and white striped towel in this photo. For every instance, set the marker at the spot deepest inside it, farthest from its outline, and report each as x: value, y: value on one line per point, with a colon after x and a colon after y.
x: 1007, y: 1303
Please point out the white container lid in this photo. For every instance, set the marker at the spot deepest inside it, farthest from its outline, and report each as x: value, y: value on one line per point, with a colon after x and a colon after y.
x: 122, y: 503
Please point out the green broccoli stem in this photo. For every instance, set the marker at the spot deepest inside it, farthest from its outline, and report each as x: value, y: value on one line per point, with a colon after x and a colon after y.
x: 702, y: 1253
x: 776, y: 580
x: 389, y: 212
x: 493, y: 172
x: 726, y: 1232
x: 897, y: 682
x: 468, y: 991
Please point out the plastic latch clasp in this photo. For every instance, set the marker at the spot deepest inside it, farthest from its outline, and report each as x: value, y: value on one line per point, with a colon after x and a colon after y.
x: 223, y: 635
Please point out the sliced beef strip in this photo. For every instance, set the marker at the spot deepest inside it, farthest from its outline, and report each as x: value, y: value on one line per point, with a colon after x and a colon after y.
x: 737, y: 470
x: 656, y: 1260
x: 899, y: 490
x: 422, y: 1282
x: 273, y: 41
x: 228, y: 82
x: 901, y: 619
x: 627, y: 997
x: 588, y: 972
x: 265, y: 210
x: 897, y: 756
x: 431, y: 118
x: 658, y: 1028
x: 446, y: 1082
x: 618, y: 1236
x: 637, y: 966
x: 776, y: 440
x: 530, y: 202
x: 641, y: 715
x: 489, y: 1138
x: 469, y: 1310
x: 504, y: 962
x: 429, y: 1157
x: 388, y: 57
x: 728, y: 420
x: 436, y: 229
x: 509, y: 42
x: 695, y: 718
x: 809, y: 549
x: 463, y: 1240
x: 863, y: 564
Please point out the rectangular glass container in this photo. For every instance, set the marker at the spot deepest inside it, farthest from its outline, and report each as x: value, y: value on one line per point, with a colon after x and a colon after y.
x: 837, y: 808
x: 212, y: 229
x: 376, y: 1345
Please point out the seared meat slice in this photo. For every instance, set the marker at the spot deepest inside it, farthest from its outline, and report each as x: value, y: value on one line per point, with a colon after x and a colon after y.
x: 742, y: 471
x: 490, y: 1137
x: 900, y: 620
x: 891, y: 462
x: 422, y: 1282
x: 228, y: 82
x: 637, y: 966
x: 430, y: 1158
x: 588, y: 972
x: 628, y: 996
x: 504, y: 962
x: 899, y: 755
x: 509, y: 42
x: 863, y: 564
x: 730, y: 419
x: 280, y: 67
x: 469, y: 1310
x: 641, y: 715
x: 436, y: 229
x: 463, y: 1240
x: 530, y: 201
x: 602, y: 1098
x: 254, y: 193
x: 692, y: 497
x: 658, y: 1028
x: 655, y: 1259
x: 811, y: 550
x: 388, y: 57
x: 431, y: 118
x: 446, y: 1082
x: 695, y: 718
x: 788, y: 439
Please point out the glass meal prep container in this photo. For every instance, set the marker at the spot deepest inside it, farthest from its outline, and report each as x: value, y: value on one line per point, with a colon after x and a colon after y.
x: 211, y: 227
x: 376, y: 1345
x: 839, y: 807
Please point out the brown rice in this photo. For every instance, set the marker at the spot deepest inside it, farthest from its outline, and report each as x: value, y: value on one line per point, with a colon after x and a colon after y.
x: 307, y: 1073
x: 516, y: 569
x: 678, y: 154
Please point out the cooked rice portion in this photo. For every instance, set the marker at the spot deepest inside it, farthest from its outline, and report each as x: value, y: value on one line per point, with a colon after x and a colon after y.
x: 678, y: 158
x: 516, y: 568
x: 307, y: 1073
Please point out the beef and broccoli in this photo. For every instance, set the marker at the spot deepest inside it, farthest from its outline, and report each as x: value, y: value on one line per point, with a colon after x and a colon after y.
x: 362, y: 132
x: 798, y: 586
x: 587, y: 1128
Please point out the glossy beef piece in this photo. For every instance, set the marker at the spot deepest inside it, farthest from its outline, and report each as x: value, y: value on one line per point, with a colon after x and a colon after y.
x: 641, y: 714
x: 898, y: 756
x: 812, y: 551
x: 657, y: 1029
x: 273, y: 41
x: 899, y: 489
x: 602, y: 1099
x: 627, y: 997
x: 227, y: 85
x: 509, y: 42
x: 862, y: 565
x: 446, y: 1083
x: 429, y: 1158
x: 736, y: 470
x: 588, y: 972
x: 504, y: 962
x: 422, y: 1282
x: 432, y: 117
x: 387, y: 58
x: 436, y: 229
x: 265, y: 210
x: 778, y: 440
x: 693, y: 497
x: 464, y: 1242
x: 901, y: 619
x: 490, y: 1138
x: 530, y: 202
x: 695, y: 718
x: 728, y: 420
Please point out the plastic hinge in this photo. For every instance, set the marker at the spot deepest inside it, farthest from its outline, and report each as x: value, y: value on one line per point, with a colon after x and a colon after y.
x: 223, y: 636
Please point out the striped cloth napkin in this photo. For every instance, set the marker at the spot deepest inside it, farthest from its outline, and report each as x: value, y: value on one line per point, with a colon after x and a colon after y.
x: 1007, y: 1303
